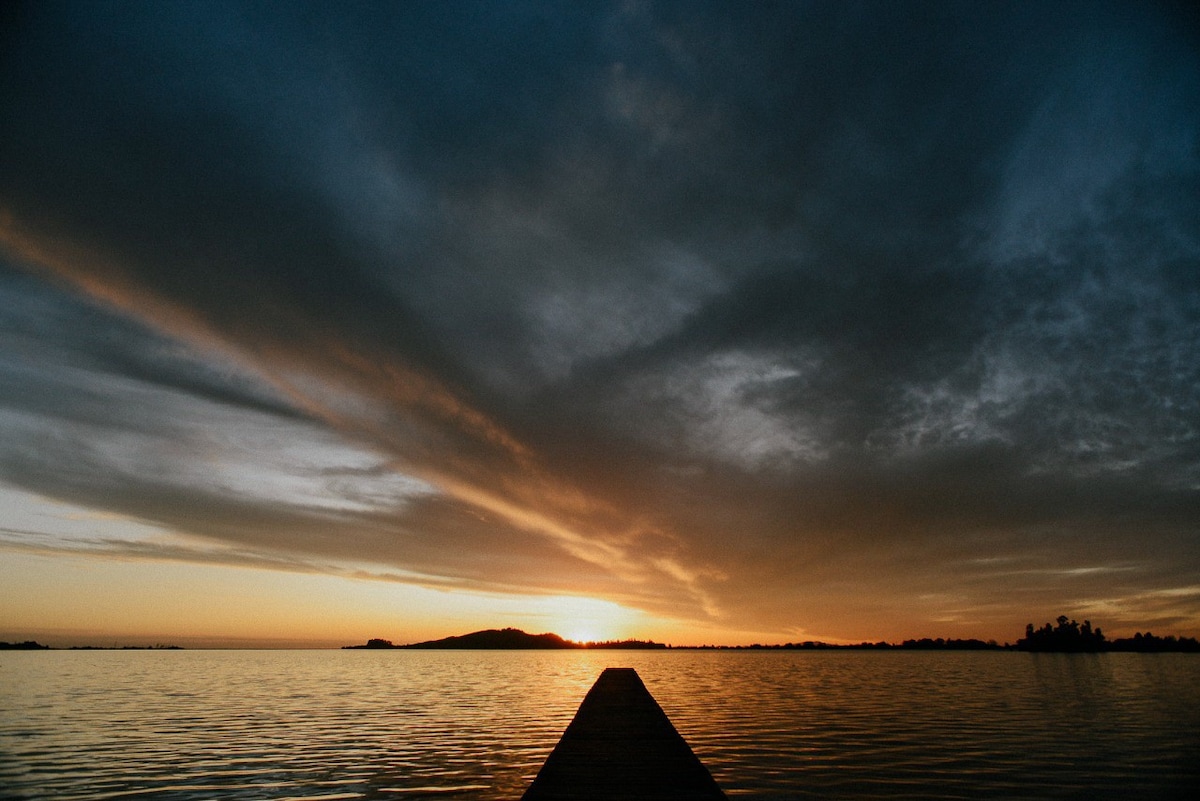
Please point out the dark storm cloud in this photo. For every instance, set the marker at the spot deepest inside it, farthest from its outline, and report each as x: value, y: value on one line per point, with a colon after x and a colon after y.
x: 736, y: 308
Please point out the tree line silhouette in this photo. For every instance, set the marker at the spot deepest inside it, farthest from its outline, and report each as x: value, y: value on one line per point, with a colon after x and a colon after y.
x: 1066, y: 636
x: 1072, y: 637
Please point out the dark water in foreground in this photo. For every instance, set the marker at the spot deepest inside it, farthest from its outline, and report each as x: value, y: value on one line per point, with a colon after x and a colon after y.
x: 444, y: 724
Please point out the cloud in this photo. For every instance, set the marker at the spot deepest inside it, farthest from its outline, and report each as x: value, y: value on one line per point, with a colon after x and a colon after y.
x: 727, y: 315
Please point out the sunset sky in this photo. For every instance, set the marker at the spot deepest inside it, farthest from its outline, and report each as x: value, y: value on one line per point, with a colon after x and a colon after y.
x: 698, y: 322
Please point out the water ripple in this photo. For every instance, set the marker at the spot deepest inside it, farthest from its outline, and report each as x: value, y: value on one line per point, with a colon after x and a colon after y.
x: 775, y: 725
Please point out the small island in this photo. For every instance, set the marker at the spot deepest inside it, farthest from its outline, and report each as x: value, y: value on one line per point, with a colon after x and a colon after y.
x: 508, y: 639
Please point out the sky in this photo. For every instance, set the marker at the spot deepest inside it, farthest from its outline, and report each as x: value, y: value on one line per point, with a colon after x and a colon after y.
x: 696, y: 322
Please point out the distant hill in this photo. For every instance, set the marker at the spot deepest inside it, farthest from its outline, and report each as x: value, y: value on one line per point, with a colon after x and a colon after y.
x: 491, y: 639
x: 507, y: 640
x: 499, y: 639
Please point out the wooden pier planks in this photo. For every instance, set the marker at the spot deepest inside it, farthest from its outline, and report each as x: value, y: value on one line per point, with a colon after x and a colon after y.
x: 621, y: 745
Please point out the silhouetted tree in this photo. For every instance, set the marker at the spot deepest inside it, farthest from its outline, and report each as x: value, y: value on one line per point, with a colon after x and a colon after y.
x: 1067, y: 636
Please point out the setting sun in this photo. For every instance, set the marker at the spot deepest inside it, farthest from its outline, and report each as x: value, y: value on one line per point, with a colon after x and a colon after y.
x: 583, y: 635
x: 587, y: 619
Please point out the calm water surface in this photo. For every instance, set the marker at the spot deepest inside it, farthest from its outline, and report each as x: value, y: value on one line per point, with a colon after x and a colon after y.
x: 478, y: 724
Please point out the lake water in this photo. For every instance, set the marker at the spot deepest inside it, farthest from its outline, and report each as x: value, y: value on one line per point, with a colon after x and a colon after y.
x: 478, y: 724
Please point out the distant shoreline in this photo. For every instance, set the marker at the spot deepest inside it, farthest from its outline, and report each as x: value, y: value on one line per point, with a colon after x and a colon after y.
x: 1065, y: 640
x: 1067, y: 637
x: 31, y: 645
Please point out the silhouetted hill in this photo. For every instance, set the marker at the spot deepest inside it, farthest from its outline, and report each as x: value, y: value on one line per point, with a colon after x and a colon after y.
x: 500, y: 639
x: 508, y: 640
x: 490, y: 639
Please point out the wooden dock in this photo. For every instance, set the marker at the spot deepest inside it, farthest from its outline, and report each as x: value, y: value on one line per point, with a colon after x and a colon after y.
x: 621, y: 745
